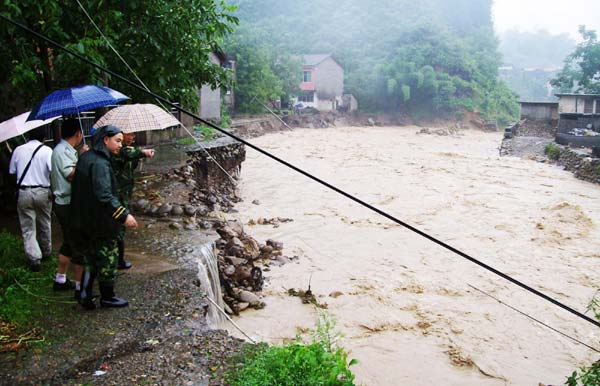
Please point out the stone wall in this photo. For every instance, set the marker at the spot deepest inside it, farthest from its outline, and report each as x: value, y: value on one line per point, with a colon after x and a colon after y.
x: 226, y: 152
x: 581, y: 164
x: 544, y: 128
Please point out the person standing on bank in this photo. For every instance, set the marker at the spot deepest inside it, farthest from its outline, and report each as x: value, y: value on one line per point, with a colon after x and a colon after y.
x: 124, y: 165
x: 64, y: 159
x: 31, y: 162
x: 97, y: 215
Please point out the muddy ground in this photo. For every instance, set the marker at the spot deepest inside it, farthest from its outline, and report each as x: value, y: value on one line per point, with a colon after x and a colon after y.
x: 162, y: 337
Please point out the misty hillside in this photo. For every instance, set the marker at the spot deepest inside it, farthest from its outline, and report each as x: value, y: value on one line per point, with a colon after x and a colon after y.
x: 423, y: 58
x: 531, y: 59
x: 539, y: 50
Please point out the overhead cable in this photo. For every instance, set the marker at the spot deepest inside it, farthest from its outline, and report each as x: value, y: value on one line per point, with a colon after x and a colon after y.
x: 316, y: 179
x: 148, y: 90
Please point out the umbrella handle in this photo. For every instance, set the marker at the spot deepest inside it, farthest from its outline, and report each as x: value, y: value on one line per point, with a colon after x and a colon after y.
x: 81, y: 127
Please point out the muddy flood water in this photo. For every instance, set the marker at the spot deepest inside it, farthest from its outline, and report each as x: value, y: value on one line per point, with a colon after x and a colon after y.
x: 405, y: 306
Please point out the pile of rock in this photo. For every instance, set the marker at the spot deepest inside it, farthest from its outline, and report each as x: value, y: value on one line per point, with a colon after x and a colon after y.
x: 190, y: 215
x: 580, y: 163
x: 240, y: 258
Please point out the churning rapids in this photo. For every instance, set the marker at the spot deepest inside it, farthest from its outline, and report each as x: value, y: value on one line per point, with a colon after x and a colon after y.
x: 404, y: 304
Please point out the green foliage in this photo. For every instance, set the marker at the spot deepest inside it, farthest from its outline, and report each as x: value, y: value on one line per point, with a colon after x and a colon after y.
x: 264, y: 72
x: 166, y: 43
x: 424, y: 58
x: 581, y: 70
x: 587, y: 376
x: 22, y: 292
x: 225, y: 117
x: 208, y: 133
x: 552, y: 151
x: 297, y: 364
x: 186, y: 141
x: 594, y: 306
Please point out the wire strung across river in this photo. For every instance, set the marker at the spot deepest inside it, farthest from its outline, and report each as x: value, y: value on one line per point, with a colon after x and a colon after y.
x: 314, y: 178
x: 198, y: 143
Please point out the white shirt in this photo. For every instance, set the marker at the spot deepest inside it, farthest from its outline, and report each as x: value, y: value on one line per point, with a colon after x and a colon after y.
x: 39, y: 171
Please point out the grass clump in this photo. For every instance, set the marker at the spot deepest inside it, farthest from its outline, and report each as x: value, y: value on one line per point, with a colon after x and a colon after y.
x: 23, y: 295
x: 588, y: 376
x: 186, y: 141
x: 208, y: 133
x: 319, y: 363
x: 552, y: 151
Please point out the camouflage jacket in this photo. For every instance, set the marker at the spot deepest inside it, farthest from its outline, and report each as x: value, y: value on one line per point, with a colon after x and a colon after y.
x: 124, y: 165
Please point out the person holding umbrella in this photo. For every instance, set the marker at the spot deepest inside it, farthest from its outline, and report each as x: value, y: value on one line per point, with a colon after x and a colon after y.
x: 124, y: 165
x: 96, y: 217
x: 131, y: 119
x: 31, y: 163
x: 64, y: 160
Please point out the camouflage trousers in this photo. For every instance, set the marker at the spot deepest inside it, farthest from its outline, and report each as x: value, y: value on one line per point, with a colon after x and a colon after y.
x: 102, y: 260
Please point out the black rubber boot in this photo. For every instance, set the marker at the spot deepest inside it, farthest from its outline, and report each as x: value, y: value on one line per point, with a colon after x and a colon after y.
x: 108, y: 298
x: 85, y: 296
x: 122, y: 263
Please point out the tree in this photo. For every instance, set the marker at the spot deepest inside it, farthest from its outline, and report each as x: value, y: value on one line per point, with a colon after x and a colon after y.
x: 167, y: 43
x: 581, y: 72
x: 264, y: 73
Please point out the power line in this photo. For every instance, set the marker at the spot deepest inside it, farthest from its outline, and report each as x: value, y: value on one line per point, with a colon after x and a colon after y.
x: 534, y: 319
x: 147, y: 89
x: 316, y: 179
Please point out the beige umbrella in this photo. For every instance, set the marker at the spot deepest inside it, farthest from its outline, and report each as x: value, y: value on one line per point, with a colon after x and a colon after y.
x: 138, y: 117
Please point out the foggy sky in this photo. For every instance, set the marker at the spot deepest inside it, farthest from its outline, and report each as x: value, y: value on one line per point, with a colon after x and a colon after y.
x: 555, y: 16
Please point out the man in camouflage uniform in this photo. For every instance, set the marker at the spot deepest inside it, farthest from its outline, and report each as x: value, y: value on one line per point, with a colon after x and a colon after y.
x: 124, y: 165
x: 97, y: 216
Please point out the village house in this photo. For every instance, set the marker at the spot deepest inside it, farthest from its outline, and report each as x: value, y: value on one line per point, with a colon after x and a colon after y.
x: 579, y: 119
x: 539, y: 111
x: 210, y: 100
x: 578, y: 111
x: 322, y: 83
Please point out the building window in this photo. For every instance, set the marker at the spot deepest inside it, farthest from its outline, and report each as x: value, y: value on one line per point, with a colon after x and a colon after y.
x: 307, y: 76
x: 588, y: 107
x: 309, y: 97
x: 597, y: 106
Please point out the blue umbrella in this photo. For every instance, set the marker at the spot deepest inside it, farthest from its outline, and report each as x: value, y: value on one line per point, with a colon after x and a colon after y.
x: 74, y: 100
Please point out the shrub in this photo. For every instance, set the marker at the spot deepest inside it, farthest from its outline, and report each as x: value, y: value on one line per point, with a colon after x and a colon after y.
x: 295, y: 363
x: 552, y: 151
x: 589, y: 376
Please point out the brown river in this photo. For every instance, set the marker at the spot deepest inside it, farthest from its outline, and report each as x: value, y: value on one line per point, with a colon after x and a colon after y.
x: 407, y: 308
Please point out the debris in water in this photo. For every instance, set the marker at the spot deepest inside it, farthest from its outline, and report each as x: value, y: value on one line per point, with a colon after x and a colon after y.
x: 307, y: 297
x: 275, y: 221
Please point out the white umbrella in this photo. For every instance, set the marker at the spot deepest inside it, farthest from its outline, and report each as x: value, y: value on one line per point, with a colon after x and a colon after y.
x: 18, y: 125
x: 138, y: 117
